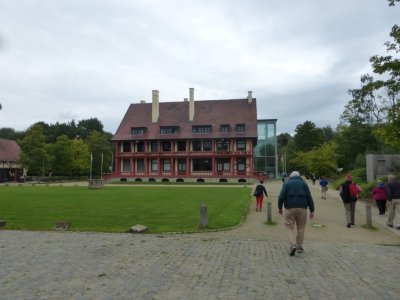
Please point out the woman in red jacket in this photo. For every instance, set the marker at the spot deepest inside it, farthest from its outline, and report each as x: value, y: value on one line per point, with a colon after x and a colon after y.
x: 379, y: 193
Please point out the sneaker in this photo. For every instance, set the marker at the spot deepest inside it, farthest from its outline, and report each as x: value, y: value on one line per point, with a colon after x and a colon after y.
x: 256, y: 209
x: 348, y: 225
x: 259, y: 209
x: 390, y: 225
x: 398, y: 227
x: 299, y: 249
x: 292, y: 251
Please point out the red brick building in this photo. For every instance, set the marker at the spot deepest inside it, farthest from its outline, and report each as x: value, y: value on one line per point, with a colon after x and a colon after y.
x: 205, y: 140
x: 9, y: 154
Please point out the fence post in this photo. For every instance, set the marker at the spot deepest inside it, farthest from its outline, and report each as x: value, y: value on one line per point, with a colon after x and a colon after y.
x: 203, y: 216
x: 269, y: 213
x: 368, y: 214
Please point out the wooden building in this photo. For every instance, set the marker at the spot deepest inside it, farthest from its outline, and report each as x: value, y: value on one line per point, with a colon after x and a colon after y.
x: 9, y: 154
x: 204, y: 140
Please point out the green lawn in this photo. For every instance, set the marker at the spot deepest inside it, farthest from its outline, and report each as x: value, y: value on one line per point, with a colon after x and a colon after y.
x: 115, y: 209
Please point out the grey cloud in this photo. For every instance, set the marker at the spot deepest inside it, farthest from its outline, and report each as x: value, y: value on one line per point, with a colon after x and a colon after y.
x: 92, y: 58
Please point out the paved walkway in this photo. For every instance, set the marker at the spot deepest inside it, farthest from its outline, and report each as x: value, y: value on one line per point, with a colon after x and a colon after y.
x: 249, y: 262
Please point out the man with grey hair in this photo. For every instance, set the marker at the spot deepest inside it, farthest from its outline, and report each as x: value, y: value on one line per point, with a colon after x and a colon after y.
x: 295, y: 196
x: 393, y: 191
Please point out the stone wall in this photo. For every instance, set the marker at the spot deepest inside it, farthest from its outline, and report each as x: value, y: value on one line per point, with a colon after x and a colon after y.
x: 379, y: 165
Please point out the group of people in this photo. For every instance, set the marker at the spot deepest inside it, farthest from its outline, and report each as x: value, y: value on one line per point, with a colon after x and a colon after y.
x: 387, y: 195
x: 295, y: 197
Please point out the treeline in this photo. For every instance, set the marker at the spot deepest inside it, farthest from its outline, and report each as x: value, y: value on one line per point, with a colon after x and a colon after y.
x: 330, y: 152
x: 63, y: 149
x: 370, y: 123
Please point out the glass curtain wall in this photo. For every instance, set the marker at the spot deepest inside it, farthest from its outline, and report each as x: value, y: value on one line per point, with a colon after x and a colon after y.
x: 265, y: 152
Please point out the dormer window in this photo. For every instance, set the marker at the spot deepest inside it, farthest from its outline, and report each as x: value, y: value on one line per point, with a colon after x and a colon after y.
x: 169, y: 129
x: 138, y: 130
x: 224, y: 128
x: 240, y: 128
x: 201, y: 129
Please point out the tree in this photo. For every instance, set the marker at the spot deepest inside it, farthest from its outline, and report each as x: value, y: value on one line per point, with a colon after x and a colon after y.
x: 328, y: 133
x: 34, y: 156
x: 62, y: 156
x: 85, y: 127
x: 81, y: 161
x: 352, y: 140
x: 10, y: 134
x: 99, y: 146
x: 377, y: 101
x: 392, y: 2
x: 321, y: 160
x: 283, y: 140
x: 308, y: 136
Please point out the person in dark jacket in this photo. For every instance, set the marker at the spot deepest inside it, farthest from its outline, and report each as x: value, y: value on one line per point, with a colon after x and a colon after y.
x: 349, y: 199
x: 259, y: 193
x: 393, y: 191
x: 295, y: 196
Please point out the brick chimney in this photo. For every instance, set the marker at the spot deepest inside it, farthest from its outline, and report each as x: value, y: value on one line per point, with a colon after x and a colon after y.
x: 191, y: 104
x: 249, y: 97
x: 155, y: 106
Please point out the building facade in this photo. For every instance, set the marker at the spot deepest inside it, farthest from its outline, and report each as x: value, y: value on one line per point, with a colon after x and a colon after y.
x: 9, y: 167
x: 265, y: 152
x: 381, y: 165
x: 208, y: 140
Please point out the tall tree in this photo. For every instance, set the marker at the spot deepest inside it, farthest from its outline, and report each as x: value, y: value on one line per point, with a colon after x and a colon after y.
x: 352, y: 140
x: 10, y: 134
x: 101, y: 149
x: 308, y: 136
x: 81, y: 161
x: 62, y: 156
x: 34, y: 156
x: 328, y: 133
x: 283, y: 140
x: 377, y: 102
x: 85, y: 127
x: 321, y: 160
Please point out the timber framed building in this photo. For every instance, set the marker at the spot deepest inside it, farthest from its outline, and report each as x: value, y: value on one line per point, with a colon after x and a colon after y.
x: 9, y: 167
x: 188, y: 141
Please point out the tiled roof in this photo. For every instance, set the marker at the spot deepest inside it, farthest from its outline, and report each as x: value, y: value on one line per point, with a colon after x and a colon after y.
x: 9, y: 150
x: 206, y: 112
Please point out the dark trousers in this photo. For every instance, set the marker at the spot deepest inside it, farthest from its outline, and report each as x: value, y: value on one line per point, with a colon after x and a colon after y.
x: 381, y: 206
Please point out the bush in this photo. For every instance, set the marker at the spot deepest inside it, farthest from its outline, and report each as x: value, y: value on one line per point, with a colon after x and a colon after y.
x: 359, y: 176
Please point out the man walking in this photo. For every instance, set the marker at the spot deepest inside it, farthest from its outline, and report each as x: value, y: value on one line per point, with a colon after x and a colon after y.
x: 393, y: 193
x: 324, y: 187
x: 295, y: 196
x: 349, y: 192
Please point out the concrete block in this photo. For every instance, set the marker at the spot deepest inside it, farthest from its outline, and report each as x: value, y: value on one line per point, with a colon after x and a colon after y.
x: 138, y: 228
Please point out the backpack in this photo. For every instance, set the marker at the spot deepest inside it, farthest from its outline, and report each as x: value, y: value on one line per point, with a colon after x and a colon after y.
x: 354, y: 190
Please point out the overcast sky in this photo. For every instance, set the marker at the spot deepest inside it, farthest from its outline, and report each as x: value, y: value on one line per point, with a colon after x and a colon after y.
x: 77, y: 59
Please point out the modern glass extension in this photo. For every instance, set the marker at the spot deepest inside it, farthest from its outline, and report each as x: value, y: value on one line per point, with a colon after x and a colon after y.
x: 265, y: 152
